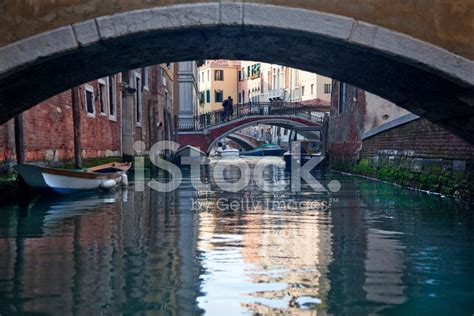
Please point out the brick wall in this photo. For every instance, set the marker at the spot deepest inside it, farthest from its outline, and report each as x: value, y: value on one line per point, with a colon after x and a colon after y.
x: 7, y: 154
x: 422, y: 155
x: 48, y: 126
x: 417, y: 154
x: 422, y: 139
x: 101, y: 134
x: 48, y: 130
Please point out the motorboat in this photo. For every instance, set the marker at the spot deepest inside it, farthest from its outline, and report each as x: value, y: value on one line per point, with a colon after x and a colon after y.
x: 265, y: 150
x: 227, y: 152
x: 63, y: 181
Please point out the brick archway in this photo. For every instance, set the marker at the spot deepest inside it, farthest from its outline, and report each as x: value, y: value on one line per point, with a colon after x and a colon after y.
x: 392, y: 65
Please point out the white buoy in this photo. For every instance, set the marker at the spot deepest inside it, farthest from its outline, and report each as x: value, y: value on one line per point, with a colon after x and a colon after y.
x: 124, y: 180
x: 108, y: 185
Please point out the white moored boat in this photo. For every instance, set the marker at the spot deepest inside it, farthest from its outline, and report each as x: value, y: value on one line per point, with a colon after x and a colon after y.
x: 228, y: 152
x: 63, y: 181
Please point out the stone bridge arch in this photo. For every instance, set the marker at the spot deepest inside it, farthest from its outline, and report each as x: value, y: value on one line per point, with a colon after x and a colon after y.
x: 430, y: 78
x: 207, y: 139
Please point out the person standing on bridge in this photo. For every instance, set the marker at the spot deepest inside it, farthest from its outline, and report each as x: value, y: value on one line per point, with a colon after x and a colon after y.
x: 231, y: 107
x: 225, y: 106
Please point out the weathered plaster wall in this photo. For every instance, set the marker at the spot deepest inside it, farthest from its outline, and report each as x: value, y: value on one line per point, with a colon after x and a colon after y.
x: 444, y: 23
x: 380, y: 111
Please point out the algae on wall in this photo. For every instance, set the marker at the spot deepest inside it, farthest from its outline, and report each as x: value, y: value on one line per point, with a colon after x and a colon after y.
x: 452, y: 178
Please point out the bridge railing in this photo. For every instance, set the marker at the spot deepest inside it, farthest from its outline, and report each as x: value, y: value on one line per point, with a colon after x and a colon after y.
x: 238, y: 111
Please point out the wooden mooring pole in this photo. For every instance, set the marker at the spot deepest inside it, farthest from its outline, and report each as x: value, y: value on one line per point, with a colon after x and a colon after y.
x: 76, y: 119
x: 19, y: 139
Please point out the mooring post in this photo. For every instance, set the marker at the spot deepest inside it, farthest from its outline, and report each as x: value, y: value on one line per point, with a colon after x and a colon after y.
x: 19, y: 139
x: 76, y: 121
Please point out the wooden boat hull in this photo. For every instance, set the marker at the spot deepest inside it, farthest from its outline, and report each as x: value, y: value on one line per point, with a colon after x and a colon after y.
x: 71, y: 181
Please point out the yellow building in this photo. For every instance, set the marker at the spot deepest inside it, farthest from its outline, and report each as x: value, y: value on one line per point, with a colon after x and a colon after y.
x: 218, y: 79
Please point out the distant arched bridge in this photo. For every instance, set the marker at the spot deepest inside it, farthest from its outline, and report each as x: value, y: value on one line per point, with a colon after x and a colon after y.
x: 206, y: 130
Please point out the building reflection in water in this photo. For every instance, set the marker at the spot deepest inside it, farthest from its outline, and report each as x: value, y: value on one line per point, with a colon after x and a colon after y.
x: 368, y: 266
x: 261, y: 259
x: 98, y: 254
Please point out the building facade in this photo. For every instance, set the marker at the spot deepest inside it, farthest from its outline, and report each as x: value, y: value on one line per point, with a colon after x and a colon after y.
x: 218, y: 79
x: 314, y: 86
x: 250, y: 82
x: 115, y: 112
x: 257, y: 82
x: 186, y: 99
x: 293, y: 85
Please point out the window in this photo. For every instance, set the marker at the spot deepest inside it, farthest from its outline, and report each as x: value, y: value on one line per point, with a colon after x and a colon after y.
x: 218, y: 95
x: 327, y: 88
x: 254, y: 71
x: 312, y: 89
x: 302, y: 91
x: 208, y: 75
x: 240, y: 75
x: 219, y: 75
x: 138, y: 100
x: 103, y: 96
x: 342, y: 96
x: 208, y: 96
x: 166, y: 100
x: 112, y: 96
x: 163, y: 76
x: 144, y: 78
x: 202, y: 77
x: 89, y: 98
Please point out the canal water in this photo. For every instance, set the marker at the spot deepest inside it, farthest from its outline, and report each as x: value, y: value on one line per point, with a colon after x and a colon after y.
x: 368, y: 248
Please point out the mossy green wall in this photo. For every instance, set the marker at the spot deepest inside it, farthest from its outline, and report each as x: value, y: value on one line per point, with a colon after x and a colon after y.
x: 448, y: 177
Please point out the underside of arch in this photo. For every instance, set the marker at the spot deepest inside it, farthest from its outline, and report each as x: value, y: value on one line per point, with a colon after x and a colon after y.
x: 425, y: 79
